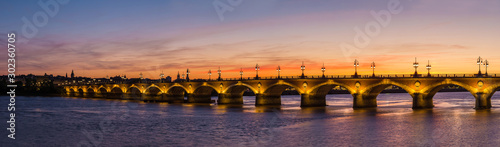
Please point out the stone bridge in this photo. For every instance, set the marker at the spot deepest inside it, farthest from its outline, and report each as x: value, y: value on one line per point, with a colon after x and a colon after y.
x: 312, y: 91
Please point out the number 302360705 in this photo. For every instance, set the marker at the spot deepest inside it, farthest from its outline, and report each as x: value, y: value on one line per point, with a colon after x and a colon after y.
x: 12, y: 54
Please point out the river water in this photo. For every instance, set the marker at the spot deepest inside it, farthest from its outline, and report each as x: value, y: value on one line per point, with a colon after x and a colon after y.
x: 61, y: 121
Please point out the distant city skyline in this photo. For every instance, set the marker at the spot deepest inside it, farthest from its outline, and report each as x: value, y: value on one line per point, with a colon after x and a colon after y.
x: 108, y: 38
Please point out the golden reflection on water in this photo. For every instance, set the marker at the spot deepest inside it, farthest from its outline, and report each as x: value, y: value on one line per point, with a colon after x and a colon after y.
x: 364, y: 111
x: 223, y: 108
x: 227, y: 106
x: 485, y: 112
x: 421, y: 123
x: 162, y: 104
x: 264, y: 109
x: 197, y: 104
x: 313, y: 110
x: 485, y: 119
x: 123, y: 101
x: 393, y: 103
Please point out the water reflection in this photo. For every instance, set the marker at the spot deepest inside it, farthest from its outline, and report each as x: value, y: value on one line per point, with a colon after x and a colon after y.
x: 59, y: 122
x: 227, y: 106
x: 263, y: 109
x: 313, y: 110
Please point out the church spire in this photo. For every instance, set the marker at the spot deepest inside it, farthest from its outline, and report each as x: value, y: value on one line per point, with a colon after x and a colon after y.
x: 72, y: 74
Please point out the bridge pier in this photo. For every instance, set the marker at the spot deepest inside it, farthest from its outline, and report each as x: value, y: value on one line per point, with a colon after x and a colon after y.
x: 263, y: 99
x: 421, y: 101
x: 115, y: 95
x: 132, y: 96
x: 483, y: 100
x: 229, y: 99
x: 192, y: 98
x: 307, y: 100
x: 90, y: 94
x: 99, y: 95
x: 364, y: 101
x: 171, y: 98
x: 152, y: 98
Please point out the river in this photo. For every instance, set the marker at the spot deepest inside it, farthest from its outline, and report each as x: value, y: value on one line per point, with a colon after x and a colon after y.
x: 63, y: 121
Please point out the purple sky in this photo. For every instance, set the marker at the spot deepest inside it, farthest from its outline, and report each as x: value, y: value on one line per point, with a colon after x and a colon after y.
x: 99, y: 38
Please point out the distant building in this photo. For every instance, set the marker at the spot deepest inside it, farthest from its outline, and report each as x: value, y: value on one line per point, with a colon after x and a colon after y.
x: 168, y: 79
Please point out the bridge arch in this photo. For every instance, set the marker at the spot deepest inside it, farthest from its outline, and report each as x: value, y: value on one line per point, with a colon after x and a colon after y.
x: 205, y: 90
x: 153, y: 90
x: 141, y: 89
x: 479, y: 96
x: 490, y: 92
x: 492, y: 89
x: 176, y: 90
x: 102, y: 91
x: 367, y: 97
x: 324, y: 88
x: 238, y: 89
x: 233, y: 94
x: 377, y: 88
x: 72, y: 92
x: 202, y: 94
x: 102, y: 87
x: 79, y: 87
x: 116, y: 92
x: 316, y: 95
x: 134, y: 92
x: 90, y: 92
x: 175, y: 93
x: 272, y: 94
x: 431, y: 90
x: 153, y: 93
x: 277, y: 89
x: 81, y: 92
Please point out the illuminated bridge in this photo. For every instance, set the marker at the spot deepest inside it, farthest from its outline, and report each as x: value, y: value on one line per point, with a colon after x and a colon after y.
x: 312, y: 90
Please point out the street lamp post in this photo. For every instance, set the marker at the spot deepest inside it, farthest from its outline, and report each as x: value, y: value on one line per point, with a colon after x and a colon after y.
x: 123, y: 79
x: 486, y: 67
x: 302, y: 67
x: 415, y: 65
x: 161, y: 76
x: 209, y: 74
x: 372, y: 66
x: 241, y: 74
x: 257, y: 68
x: 428, y: 68
x: 140, y: 76
x: 479, y: 63
x: 323, y: 70
x: 187, y: 74
x: 279, y: 70
x: 356, y: 64
x: 219, y: 72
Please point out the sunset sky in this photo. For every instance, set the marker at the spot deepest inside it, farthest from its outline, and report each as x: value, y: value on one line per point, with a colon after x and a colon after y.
x: 98, y: 38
